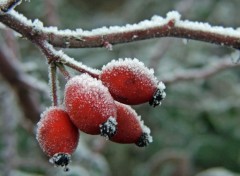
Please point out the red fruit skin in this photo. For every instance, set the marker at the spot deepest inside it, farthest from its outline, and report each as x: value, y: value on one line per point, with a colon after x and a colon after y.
x: 127, y: 85
x: 88, y: 103
x: 56, y: 133
x: 129, y: 128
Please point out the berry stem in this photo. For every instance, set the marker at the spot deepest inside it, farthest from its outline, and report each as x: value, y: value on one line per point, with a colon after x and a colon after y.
x: 80, y: 69
x: 60, y: 57
x: 53, y: 83
x: 63, y: 70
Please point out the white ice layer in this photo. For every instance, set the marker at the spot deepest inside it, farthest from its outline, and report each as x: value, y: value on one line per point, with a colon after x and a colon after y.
x: 155, y: 21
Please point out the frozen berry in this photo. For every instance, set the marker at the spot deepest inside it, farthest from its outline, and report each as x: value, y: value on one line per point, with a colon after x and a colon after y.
x: 130, y: 127
x: 130, y: 82
x: 57, y: 136
x: 90, y: 105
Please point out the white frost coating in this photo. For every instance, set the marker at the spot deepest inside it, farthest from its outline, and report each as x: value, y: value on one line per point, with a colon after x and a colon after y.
x: 161, y: 86
x: 93, y: 92
x: 42, y: 121
x: 87, y: 83
x: 155, y: 21
x: 206, y: 27
x: 173, y: 15
x: 148, y: 131
x: 144, y: 128
x: 66, y: 59
x: 21, y: 17
x: 37, y: 23
x: 134, y: 65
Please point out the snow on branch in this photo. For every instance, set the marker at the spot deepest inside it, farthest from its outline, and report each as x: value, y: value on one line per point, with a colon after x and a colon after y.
x: 203, y: 73
x: 156, y: 27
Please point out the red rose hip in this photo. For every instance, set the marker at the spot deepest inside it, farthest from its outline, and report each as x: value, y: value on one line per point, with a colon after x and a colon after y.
x: 130, y: 127
x: 57, y: 136
x: 90, y: 106
x: 130, y: 82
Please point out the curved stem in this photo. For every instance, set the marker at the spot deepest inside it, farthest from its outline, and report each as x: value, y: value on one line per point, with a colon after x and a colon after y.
x: 63, y: 70
x: 53, y: 83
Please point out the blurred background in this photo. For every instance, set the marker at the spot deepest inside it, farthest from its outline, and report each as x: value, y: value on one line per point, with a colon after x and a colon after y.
x: 195, y: 131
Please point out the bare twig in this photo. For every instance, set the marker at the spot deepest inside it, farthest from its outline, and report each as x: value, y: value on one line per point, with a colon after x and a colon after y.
x: 160, y: 50
x: 63, y: 70
x: 179, y: 159
x: 11, y: 42
x: 9, y: 135
x: 163, y: 46
x: 203, y: 73
x: 51, y: 12
x: 17, y: 80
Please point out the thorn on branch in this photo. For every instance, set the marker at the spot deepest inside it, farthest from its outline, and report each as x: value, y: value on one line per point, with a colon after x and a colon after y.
x: 108, y: 45
x: 171, y: 23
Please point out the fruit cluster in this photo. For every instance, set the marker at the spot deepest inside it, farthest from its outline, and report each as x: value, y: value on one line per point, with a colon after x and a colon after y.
x: 100, y: 106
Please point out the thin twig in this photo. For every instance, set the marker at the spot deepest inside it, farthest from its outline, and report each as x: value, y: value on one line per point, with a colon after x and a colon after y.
x: 51, y: 12
x: 17, y: 80
x: 202, y: 73
x: 63, y: 70
x: 53, y: 83
x: 59, y: 57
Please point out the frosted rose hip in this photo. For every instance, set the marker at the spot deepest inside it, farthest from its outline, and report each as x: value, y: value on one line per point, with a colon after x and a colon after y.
x: 90, y: 105
x: 130, y: 127
x: 130, y: 82
x: 57, y: 136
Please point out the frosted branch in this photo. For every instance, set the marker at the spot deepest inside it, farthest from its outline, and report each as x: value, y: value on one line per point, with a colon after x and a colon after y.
x: 156, y: 27
x: 59, y: 56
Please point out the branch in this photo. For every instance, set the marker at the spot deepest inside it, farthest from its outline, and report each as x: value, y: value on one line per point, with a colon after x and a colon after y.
x: 17, y: 79
x: 203, y: 73
x: 53, y: 55
x: 171, y: 26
